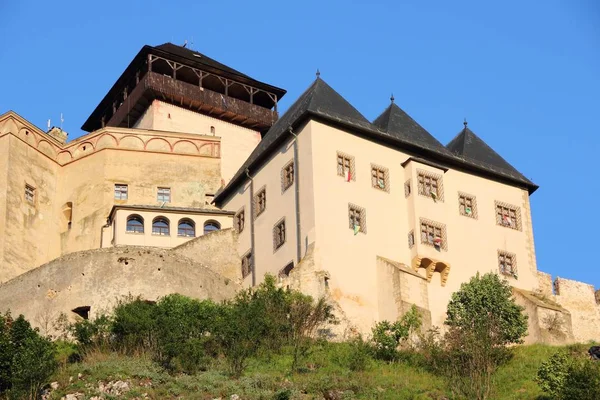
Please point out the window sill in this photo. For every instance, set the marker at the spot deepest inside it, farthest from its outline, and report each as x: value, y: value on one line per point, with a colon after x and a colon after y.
x: 134, y: 233
x: 161, y: 234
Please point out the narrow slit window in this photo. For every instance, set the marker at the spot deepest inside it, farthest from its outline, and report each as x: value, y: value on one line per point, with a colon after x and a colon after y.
x: 246, y: 264
x: 260, y: 202
x: 29, y: 193
x: 287, y: 176
x: 279, y: 234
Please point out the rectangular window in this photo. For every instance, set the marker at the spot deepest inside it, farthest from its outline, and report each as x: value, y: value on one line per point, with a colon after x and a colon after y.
x: 239, y: 219
x: 407, y: 188
x: 260, y: 201
x: 430, y: 185
x: 287, y: 176
x: 508, y: 215
x: 246, y: 264
x: 120, y: 192
x: 29, y: 193
x: 507, y: 263
x: 279, y: 234
x: 163, y: 194
x: 434, y: 234
x: 380, y: 178
x: 357, y: 218
x: 345, y: 166
x: 467, y: 205
x: 411, y: 239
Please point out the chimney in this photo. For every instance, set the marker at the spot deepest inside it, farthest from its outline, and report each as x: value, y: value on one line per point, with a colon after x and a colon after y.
x: 58, y: 134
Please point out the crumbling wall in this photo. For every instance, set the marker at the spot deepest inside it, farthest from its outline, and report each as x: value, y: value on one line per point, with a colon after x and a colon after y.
x: 580, y: 299
x: 97, y: 278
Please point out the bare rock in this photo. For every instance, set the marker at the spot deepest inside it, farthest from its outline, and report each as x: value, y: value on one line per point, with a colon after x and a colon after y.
x: 54, y: 385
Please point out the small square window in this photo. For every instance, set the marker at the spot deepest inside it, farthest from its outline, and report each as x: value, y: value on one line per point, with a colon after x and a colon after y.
x: 430, y: 185
x: 357, y: 219
x: 380, y: 178
x: 434, y: 234
x: 246, y: 264
x: 287, y: 176
x: 239, y: 220
x: 279, y: 234
x: 407, y: 188
x: 260, y: 201
x: 467, y: 205
x: 507, y: 263
x: 411, y: 239
x: 345, y: 166
x: 164, y: 194
x: 508, y: 215
x: 121, y: 192
x: 29, y: 193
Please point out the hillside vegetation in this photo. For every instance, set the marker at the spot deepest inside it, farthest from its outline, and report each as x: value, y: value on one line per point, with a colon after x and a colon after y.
x: 269, y: 343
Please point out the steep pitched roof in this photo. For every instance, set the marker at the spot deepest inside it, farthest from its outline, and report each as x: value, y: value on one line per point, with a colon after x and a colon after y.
x: 319, y: 99
x: 470, y: 147
x: 399, y: 124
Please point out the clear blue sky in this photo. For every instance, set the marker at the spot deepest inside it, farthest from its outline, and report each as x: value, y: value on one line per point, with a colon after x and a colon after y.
x: 526, y: 75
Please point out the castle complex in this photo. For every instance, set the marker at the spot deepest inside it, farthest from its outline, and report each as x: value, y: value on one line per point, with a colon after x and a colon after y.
x: 190, y: 181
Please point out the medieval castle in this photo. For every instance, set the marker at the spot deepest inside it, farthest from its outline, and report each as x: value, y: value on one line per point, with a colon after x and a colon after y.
x: 190, y: 181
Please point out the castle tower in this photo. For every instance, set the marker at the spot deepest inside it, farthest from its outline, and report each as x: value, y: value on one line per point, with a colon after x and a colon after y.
x: 175, y: 89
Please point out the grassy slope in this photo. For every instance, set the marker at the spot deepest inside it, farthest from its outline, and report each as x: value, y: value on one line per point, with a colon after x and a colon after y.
x: 266, y: 377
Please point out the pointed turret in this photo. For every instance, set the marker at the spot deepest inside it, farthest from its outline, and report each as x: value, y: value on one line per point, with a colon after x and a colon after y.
x: 400, y: 125
x: 472, y: 148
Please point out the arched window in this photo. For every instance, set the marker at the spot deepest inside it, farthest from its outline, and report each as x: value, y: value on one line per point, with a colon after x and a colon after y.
x: 160, y: 226
x: 135, y: 224
x: 211, y: 226
x: 186, y: 228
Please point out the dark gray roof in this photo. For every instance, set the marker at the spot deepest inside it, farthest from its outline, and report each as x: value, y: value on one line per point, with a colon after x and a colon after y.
x: 399, y: 124
x: 393, y: 127
x: 470, y: 147
x: 197, y: 57
x: 318, y: 99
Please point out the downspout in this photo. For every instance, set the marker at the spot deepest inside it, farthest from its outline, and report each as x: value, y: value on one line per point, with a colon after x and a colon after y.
x: 253, y: 255
x: 107, y: 225
x: 297, y: 197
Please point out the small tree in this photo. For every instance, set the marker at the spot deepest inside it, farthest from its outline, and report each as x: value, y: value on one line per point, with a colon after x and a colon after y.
x: 305, y: 317
x: 387, y: 336
x: 483, y: 319
x: 566, y: 376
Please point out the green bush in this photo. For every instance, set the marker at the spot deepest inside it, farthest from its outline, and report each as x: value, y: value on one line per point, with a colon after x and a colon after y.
x: 566, y: 376
x: 360, y: 354
x: 388, y: 336
x: 134, y: 325
x: 92, y: 333
x: 26, y: 359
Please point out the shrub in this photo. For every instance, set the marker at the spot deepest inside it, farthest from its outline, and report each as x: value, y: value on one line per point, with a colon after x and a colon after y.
x: 569, y: 376
x: 387, y: 336
x: 359, y: 356
x: 92, y: 333
x: 183, y: 327
x: 483, y: 319
x: 26, y: 359
x: 133, y: 325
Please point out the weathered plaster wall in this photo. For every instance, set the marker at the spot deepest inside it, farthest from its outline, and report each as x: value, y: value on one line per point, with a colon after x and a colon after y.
x: 236, y: 142
x: 97, y: 278
x: 218, y: 251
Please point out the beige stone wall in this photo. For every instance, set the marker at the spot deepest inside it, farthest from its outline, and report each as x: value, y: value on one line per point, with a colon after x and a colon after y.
x: 97, y: 278
x: 236, y: 142
x: 81, y: 175
x: 579, y: 299
x: 218, y: 251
